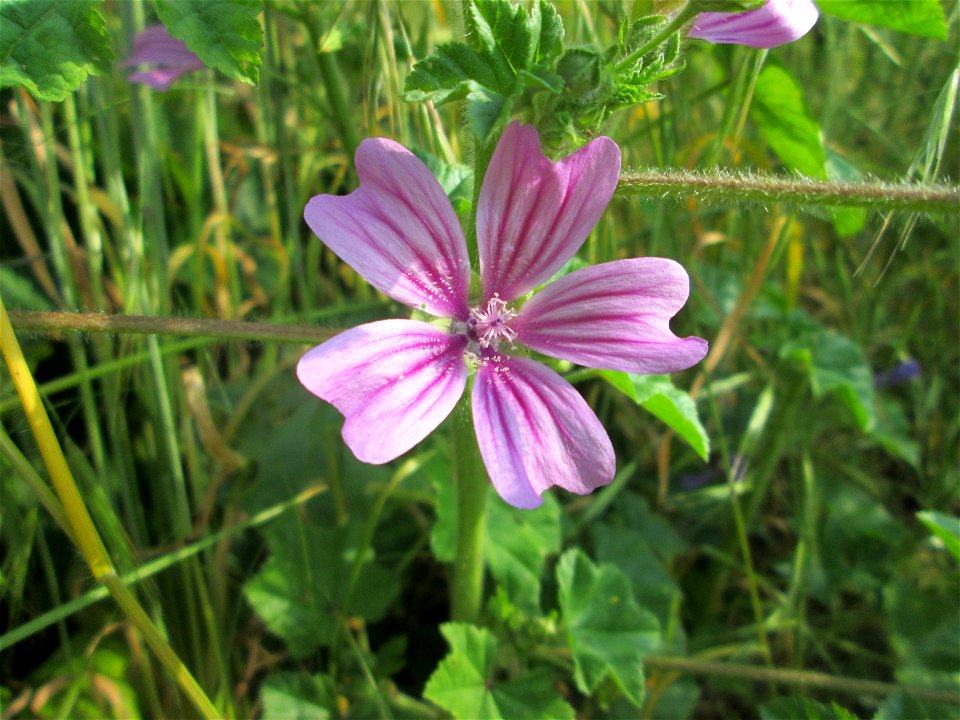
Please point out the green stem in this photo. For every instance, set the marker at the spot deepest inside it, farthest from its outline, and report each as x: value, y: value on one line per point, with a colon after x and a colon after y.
x: 669, y: 29
x: 724, y: 188
x: 471, y: 480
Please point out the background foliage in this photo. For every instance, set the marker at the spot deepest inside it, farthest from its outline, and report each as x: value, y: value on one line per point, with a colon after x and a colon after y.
x: 791, y: 504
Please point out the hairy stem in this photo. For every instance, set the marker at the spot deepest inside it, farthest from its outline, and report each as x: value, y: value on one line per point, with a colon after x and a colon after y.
x: 56, y: 322
x: 725, y: 188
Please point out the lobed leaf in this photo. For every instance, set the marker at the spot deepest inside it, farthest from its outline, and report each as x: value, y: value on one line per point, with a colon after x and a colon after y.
x: 466, y: 682
x: 608, y: 633
x: 51, y: 46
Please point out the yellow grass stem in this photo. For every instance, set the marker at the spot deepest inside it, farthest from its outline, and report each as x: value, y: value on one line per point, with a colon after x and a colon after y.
x: 80, y: 522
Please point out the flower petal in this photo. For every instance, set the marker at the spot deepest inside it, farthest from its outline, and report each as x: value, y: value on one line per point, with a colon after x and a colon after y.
x: 535, y: 431
x: 398, y: 230
x: 776, y: 23
x: 533, y: 215
x: 155, y: 46
x: 395, y: 381
x: 613, y: 316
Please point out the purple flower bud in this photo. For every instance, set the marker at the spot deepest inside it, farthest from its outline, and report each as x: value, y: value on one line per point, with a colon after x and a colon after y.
x: 168, y: 56
x: 776, y: 23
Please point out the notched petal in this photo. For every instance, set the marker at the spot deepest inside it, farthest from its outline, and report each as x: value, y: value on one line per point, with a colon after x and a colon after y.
x: 613, y: 316
x: 535, y: 431
x: 533, y: 214
x: 398, y: 230
x: 394, y: 381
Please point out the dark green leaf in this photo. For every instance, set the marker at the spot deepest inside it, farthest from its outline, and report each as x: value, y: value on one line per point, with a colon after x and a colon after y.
x: 917, y: 17
x: 301, y: 590
x: 675, y: 407
x: 518, y: 543
x: 837, y: 365
x: 466, y: 683
x: 608, y: 633
x: 226, y: 36
x: 51, y: 46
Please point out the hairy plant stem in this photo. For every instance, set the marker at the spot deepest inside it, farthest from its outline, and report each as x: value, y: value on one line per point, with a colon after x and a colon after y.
x: 57, y: 322
x: 724, y: 189
x: 88, y: 539
x: 471, y: 480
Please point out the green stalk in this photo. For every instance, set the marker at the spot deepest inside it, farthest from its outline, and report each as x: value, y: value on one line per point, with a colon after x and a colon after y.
x: 471, y: 480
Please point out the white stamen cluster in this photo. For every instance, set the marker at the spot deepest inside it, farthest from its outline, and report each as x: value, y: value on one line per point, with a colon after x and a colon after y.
x: 490, y: 323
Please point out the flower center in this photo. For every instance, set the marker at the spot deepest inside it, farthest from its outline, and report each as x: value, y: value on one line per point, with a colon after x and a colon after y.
x: 488, y: 326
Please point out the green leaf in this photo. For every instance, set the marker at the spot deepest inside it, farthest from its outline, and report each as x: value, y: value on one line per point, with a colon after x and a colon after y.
x: 297, y: 696
x: 838, y: 366
x: 944, y: 527
x: 917, y: 17
x: 675, y: 407
x: 467, y: 685
x: 517, y: 545
x: 510, y: 49
x: 51, y: 46
x: 608, y: 633
x: 300, y: 591
x: 228, y: 38
x: 780, y: 112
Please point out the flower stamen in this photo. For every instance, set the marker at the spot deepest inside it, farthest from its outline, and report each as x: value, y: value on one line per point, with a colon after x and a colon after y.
x: 488, y: 326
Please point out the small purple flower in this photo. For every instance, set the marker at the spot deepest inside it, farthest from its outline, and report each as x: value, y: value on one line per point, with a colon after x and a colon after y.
x: 169, y: 56
x: 899, y: 375
x: 776, y: 23
x: 395, y: 381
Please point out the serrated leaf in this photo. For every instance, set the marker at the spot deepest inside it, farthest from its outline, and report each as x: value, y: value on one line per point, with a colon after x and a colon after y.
x: 228, y: 39
x: 51, y: 46
x: 466, y: 683
x: 300, y: 591
x: 297, y: 696
x: 517, y: 544
x: 944, y: 527
x: 509, y: 50
x: 657, y: 395
x: 608, y: 633
x: 917, y: 17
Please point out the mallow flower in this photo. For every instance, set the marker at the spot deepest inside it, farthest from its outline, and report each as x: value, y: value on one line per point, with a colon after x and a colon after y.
x: 169, y: 57
x: 776, y: 23
x: 395, y: 381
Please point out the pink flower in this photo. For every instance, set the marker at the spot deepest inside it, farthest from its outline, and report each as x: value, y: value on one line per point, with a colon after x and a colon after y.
x: 395, y: 381
x: 155, y: 46
x: 776, y: 23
